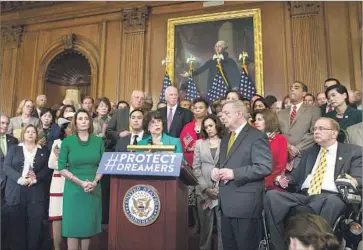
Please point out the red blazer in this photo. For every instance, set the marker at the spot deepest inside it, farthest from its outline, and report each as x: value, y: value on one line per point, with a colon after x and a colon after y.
x: 278, y: 146
x: 188, y: 137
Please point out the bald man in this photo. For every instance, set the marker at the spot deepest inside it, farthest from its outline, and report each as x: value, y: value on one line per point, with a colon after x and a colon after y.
x: 40, y: 103
x: 119, y: 124
x: 175, y: 117
x: 229, y: 66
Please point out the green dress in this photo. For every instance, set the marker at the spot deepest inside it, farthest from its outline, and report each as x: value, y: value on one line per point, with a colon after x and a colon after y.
x: 82, y: 211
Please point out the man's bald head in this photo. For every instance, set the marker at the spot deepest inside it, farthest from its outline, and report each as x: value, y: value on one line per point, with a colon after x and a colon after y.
x: 171, y: 96
x: 137, y: 99
x: 41, y: 101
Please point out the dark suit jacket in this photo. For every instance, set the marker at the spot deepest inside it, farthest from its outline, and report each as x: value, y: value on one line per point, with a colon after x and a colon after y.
x: 123, y: 142
x: 349, y: 160
x: 351, y: 116
x: 251, y: 161
x: 13, y: 167
x: 181, y: 117
x: 119, y: 122
x: 10, y: 141
x: 35, y: 113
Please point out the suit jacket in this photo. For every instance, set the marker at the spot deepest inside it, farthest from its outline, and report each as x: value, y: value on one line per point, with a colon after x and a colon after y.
x: 351, y: 116
x: 181, y: 117
x: 166, y: 140
x: 16, y: 123
x: 35, y: 113
x: 354, y: 134
x: 123, y: 142
x: 203, y: 164
x: 13, y: 167
x: 10, y: 141
x: 349, y: 160
x: 251, y: 161
x: 119, y: 122
x: 300, y: 132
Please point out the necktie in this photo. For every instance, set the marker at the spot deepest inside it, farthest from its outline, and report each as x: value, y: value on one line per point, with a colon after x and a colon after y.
x: 135, y: 140
x: 318, y: 177
x: 2, y: 144
x: 170, y: 118
x: 231, y: 141
x: 330, y: 108
x: 293, y: 113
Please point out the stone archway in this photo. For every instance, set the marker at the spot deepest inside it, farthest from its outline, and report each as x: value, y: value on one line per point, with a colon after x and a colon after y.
x: 70, y: 43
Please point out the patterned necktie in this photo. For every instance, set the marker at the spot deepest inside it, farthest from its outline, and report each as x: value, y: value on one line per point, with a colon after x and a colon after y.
x: 2, y: 144
x: 135, y: 139
x: 231, y: 141
x: 170, y: 118
x: 330, y: 108
x: 318, y: 177
x: 293, y: 114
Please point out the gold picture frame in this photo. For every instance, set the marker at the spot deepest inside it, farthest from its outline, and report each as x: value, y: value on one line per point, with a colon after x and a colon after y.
x: 220, y: 16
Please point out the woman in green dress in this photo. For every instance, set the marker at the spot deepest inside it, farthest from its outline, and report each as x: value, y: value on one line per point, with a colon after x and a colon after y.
x: 78, y: 162
x: 153, y: 124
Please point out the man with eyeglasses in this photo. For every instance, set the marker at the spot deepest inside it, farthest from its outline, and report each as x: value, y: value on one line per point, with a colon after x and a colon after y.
x: 314, y: 181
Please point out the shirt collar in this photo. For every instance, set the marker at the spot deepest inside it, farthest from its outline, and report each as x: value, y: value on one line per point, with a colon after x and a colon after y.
x: 297, y: 105
x: 239, y: 129
x: 172, y: 107
x: 22, y: 145
x: 332, y: 149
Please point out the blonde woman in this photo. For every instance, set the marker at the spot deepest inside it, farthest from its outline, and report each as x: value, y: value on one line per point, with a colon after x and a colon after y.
x: 23, y: 118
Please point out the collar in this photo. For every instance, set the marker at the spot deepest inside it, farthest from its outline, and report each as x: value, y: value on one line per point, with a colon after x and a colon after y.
x: 172, y: 107
x: 297, y: 105
x: 22, y: 145
x: 140, y: 134
x: 239, y: 129
x: 3, y: 136
x: 332, y: 149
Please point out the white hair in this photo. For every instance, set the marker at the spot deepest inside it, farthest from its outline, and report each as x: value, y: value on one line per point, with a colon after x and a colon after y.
x: 223, y: 43
x: 169, y: 88
x: 239, y: 105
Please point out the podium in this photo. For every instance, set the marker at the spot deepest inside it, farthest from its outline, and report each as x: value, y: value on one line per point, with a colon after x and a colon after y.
x: 149, y: 211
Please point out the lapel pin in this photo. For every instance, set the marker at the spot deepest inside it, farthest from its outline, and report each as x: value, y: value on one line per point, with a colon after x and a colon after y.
x: 346, y: 117
x: 340, y: 158
x: 41, y: 154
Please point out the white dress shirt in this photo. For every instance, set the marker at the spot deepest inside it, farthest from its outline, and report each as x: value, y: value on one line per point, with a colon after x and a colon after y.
x: 329, y: 181
x: 297, y: 107
x: 168, y: 110
x: 139, y: 138
x: 28, y: 159
x: 239, y: 129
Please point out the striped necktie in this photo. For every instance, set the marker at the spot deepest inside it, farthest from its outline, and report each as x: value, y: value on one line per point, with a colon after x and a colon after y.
x: 318, y: 177
x: 231, y: 141
x: 293, y: 114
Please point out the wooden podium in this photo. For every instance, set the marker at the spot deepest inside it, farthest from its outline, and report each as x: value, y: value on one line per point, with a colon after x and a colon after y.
x: 170, y: 230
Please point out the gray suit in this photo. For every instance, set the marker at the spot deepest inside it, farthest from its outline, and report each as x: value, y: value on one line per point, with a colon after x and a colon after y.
x: 354, y: 134
x: 203, y: 163
x: 17, y: 123
x: 241, y: 199
x: 300, y: 132
x: 119, y: 122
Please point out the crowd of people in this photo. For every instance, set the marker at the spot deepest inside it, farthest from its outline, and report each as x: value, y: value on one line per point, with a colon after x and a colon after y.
x: 248, y: 156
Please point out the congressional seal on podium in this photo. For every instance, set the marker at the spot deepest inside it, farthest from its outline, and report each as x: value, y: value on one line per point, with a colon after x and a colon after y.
x: 141, y: 205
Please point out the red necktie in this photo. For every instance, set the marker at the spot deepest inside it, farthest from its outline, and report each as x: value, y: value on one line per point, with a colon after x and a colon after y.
x: 330, y: 108
x: 293, y: 113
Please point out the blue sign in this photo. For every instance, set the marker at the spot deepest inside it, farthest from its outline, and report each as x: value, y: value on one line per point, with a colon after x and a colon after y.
x: 140, y: 163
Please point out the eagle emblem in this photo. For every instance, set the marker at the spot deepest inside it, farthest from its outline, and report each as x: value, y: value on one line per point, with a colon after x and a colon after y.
x: 141, y: 205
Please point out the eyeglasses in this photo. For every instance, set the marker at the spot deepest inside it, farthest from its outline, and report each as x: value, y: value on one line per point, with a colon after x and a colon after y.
x: 321, y: 129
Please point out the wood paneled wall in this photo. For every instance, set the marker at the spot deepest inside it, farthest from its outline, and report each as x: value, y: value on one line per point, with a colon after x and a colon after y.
x: 126, y: 42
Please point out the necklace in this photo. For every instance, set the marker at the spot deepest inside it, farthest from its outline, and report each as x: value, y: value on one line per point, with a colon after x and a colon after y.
x: 214, y: 143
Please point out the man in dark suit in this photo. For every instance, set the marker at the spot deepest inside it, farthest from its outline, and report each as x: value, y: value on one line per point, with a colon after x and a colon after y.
x: 326, y: 108
x: 119, y: 124
x: 136, y: 134
x: 314, y: 180
x: 175, y: 116
x: 40, y: 103
x: 244, y: 161
x: 6, y: 141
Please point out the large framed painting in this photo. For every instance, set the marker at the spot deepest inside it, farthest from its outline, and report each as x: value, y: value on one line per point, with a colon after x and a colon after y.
x: 197, y: 36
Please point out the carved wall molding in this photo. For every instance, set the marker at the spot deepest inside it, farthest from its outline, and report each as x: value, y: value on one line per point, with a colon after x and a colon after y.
x: 134, y: 19
x: 68, y: 41
x: 11, y: 36
x: 304, y: 8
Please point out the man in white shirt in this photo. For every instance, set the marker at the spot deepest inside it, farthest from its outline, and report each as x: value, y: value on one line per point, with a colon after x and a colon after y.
x: 135, y: 135
x: 314, y: 180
